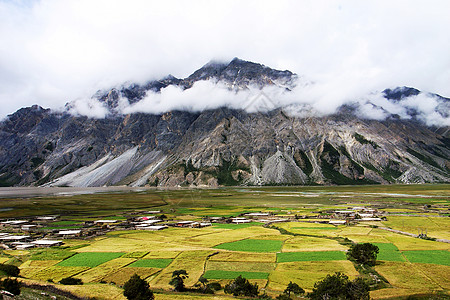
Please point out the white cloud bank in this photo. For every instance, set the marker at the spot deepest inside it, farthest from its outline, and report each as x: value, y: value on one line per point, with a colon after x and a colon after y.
x: 53, y: 51
x: 303, y: 101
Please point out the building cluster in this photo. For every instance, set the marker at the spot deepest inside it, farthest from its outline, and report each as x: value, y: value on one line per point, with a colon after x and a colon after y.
x: 354, y: 215
x: 45, y: 231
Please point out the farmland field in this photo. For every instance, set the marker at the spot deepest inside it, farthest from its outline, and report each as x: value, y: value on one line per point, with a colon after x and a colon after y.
x: 89, y: 259
x: 252, y: 245
x: 310, y: 256
x: 439, y: 257
x: 219, y: 274
x: 302, y: 248
x: 151, y: 263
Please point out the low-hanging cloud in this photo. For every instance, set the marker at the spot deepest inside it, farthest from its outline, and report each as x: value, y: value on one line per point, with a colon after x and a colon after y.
x: 304, y: 100
x: 53, y: 52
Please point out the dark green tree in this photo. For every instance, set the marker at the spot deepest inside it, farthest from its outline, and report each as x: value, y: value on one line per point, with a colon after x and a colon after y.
x: 241, y: 287
x: 365, y: 253
x: 215, y: 286
x: 11, y: 285
x: 137, y: 288
x: 359, y: 289
x: 71, y: 281
x: 338, y: 286
x: 9, y: 270
x: 331, y: 287
x: 203, y: 286
x: 293, y: 288
x: 178, y: 278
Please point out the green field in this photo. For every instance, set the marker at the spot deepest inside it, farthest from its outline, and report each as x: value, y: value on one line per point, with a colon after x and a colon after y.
x: 439, y: 257
x: 89, y: 259
x: 388, y: 252
x: 252, y: 245
x: 218, y: 274
x: 310, y: 256
x: 151, y: 263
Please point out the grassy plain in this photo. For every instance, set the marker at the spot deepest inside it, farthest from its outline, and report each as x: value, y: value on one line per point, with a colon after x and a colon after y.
x: 306, y: 253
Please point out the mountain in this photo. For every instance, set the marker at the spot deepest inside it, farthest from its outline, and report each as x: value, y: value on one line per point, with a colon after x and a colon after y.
x: 225, y: 146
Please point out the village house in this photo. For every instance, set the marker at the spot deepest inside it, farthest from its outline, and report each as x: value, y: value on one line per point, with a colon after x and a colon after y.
x: 22, y: 245
x: 200, y: 224
x: 105, y: 222
x: 15, y: 238
x: 69, y: 233
x: 337, y: 222
x: 46, y: 218
x: 46, y: 243
x: 240, y: 220
x: 153, y: 227
x: 184, y: 223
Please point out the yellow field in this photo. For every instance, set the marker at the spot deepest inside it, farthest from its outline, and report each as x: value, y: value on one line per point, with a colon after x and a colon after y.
x: 96, y: 274
x: 240, y: 266
x: 439, y: 274
x: 162, y: 254
x: 406, y: 276
x: 99, y: 291
x: 57, y: 273
x: 122, y: 275
x: 191, y: 261
x: 303, y: 243
x: 436, y: 227
x: 306, y: 274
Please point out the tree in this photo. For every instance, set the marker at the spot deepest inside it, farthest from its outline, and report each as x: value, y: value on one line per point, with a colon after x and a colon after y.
x: 137, y: 288
x: 178, y: 278
x: 365, y: 253
x: 241, y: 287
x: 204, y: 286
x: 11, y: 285
x: 71, y: 281
x: 215, y: 286
x: 338, y: 286
x: 331, y: 287
x: 10, y: 270
x: 294, y: 288
x: 359, y: 289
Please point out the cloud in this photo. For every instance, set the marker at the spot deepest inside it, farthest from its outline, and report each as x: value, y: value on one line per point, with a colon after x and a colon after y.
x: 53, y: 52
x: 304, y: 100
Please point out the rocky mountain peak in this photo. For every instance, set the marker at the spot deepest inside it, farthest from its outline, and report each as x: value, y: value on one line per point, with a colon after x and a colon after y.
x: 226, y: 146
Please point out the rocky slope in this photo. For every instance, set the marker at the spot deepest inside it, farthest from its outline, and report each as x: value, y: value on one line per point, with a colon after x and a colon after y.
x: 221, y: 146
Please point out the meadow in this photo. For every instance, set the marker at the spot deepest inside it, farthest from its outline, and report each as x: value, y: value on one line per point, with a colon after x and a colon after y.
x: 303, y: 249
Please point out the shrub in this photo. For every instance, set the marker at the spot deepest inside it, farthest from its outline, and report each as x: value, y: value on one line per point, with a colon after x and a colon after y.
x: 178, y: 278
x: 137, y: 288
x: 71, y: 281
x: 241, y: 287
x: 338, y: 286
x: 365, y: 253
x: 11, y: 285
x: 10, y: 270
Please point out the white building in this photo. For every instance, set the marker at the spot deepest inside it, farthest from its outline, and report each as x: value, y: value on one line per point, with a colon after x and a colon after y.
x: 240, y: 220
x: 47, y: 243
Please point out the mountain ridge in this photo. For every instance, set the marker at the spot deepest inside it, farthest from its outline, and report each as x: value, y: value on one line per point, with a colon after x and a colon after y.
x: 222, y: 146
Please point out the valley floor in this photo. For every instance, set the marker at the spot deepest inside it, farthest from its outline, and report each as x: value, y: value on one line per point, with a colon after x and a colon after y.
x: 288, y: 237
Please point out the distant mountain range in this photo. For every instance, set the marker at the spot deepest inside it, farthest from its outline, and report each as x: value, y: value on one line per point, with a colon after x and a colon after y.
x: 225, y: 146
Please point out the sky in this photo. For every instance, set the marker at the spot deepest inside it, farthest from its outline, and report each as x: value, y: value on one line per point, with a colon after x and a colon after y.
x: 53, y: 52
